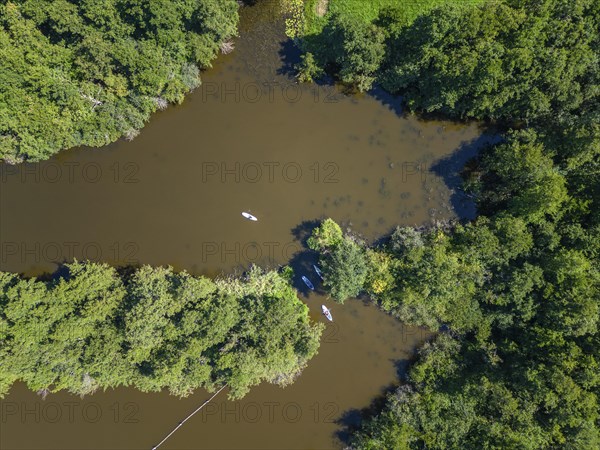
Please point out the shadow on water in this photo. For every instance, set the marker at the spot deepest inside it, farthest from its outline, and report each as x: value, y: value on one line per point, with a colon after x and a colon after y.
x: 451, y: 167
x: 61, y: 271
x: 290, y: 57
x: 303, y: 260
x: 304, y: 229
x: 393, y: 102
x: 351, y: 419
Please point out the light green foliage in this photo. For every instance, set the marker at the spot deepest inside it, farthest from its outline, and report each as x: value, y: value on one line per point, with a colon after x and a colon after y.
x: 380, y: 275
x: 87, y: 73
x: 368, y: 11
x: 344, y: 261
x: 308, y: 70
x: 274, y: 339
x: 95, y: 328
x: 326, y: 236
x: 61, y: 333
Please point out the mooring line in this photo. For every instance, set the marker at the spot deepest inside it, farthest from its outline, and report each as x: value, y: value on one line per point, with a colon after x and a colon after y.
x: 188, y: 417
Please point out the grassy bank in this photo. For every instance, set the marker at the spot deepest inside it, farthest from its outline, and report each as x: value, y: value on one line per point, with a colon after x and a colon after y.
x: 368, y: 10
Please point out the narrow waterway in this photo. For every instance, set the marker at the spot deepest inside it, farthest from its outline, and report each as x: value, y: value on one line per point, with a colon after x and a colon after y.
x: 250, y: 139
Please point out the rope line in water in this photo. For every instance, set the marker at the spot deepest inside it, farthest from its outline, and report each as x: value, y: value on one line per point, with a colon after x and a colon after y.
x: 188, y: 418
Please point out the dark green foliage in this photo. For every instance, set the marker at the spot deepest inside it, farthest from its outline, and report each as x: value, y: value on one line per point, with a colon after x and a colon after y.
x: 354, y: 49
x: 345, y: 267
x: 517, y: 60
x: 406, y: 240
x: 517, y: 362
x: 526, y: 181
x: 153, y: 329
x: 516, y: 295
x: 361, y: 51
x: 88, y: 72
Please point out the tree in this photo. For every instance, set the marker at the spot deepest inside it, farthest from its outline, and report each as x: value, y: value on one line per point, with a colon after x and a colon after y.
x: 345, y: 270
x: 357, y: 48
x: 308, y: 69
x: 326, y: 236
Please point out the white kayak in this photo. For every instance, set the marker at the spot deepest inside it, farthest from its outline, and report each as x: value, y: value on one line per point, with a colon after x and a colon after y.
x: 249, y: 216
x: 318, y: 272
x: 308, y: 283
x: 326, y: 313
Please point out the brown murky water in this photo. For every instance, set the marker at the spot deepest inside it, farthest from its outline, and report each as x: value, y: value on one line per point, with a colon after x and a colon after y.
x: 358, y: 358
x: 249, y: 140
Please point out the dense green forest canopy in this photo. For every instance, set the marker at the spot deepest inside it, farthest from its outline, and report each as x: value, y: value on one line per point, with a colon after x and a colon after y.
x: 94, y: 327
x: 89, y: 72
x: 515, y: 60
x: 515, y: 294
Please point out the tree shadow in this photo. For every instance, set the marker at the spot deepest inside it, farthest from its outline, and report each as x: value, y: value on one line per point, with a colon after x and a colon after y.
x: 303, y: 260
x: 290, y: 55
x: 290, y: 58
x: 351, y: 420
x: 304, y: 229
x: 385, y: 239
x: 394, y: 103
x: 450, y: 169
x: 60, y: 272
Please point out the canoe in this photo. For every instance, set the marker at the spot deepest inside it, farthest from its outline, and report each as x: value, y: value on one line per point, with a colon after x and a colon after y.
x: 249, y: 216
x: 326, y: 313
x: 308, y: 283
x: 318, y: 272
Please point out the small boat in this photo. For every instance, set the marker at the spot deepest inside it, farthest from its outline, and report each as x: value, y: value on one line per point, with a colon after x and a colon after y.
x: 249, y: 216
x: 308, y: 283
x: 318, y: 272
x: 326, y: 313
